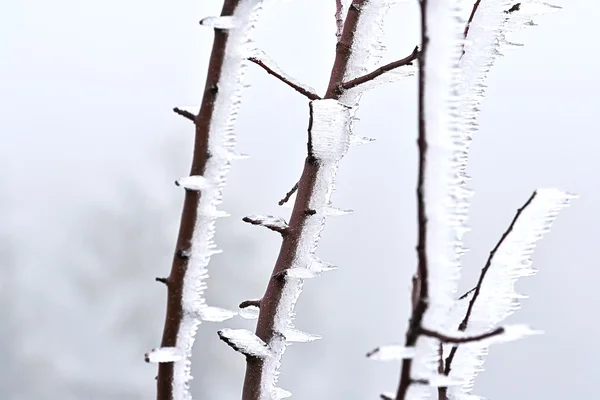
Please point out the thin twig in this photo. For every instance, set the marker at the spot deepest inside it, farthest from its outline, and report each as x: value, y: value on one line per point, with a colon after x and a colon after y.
x: 477, y: 290
x: 296, y: 87
x: 250, y: 303
x: 473, y: 11
x: 272, y: 223
x: 288, y: 195
x: 457, y: 340
x: 382, y: 70
x: 339, y: 18
x: 185, y: 114
x: 419, y: 309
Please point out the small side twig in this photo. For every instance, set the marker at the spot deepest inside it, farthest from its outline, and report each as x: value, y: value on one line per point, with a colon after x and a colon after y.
x: 458, y: 340
x: 471, y: 16
x: 276, y: 224
x: 382, y: 70
x: 295, y: 86
x: 289, y: 194
x: 185, y: 114
x: 250, y: 303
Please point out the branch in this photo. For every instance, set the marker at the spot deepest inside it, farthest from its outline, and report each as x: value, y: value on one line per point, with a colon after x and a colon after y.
x: 174, y: 375
x: 250, y: 303
x: 305, y: 222
x: 471, y: 16
x: 288, y: 195
x: 477, y: 289
x: 382, y: 70
x: 185, y: 114
x: 276, y: 224
x: 422, y: 293
x: 339, y: 18
x: 272, y: 70
x: 461, y: 340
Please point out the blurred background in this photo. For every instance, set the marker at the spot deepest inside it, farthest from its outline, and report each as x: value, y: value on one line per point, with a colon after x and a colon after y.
x: 89, y: 150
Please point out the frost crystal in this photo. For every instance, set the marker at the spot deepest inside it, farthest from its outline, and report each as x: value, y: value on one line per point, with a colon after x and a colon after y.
x: 294, y: 335
x: 221, y: 22
x: 250, y: 312
x: 164, y: 355
x: 216, y: 314
x: 245, y: 341
x: 391, y: 353
x: 194, y: 182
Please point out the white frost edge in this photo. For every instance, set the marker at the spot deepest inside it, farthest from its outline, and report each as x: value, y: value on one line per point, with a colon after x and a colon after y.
x: 498, y: 298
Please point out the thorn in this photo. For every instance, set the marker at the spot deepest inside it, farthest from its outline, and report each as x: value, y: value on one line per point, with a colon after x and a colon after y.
x: 185, y: 114
x: 162, y: 280
x: 250, y: 303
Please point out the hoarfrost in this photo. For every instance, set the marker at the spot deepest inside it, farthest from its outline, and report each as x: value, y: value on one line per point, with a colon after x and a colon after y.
x: 164, y: 355
x: 215, y: 314
x: 221, y: 22
x: 329, y: 133
x: 295, y: 335
x: 359, y: 141
x: 270, y: 221
x: 279, y: 393
x: 194, y: 182
x: 497, y: 297
x: 250, y: 312
x: 391, y: 352
x: 221, y: 145
x: 336, y: 212
x: 245, y: 341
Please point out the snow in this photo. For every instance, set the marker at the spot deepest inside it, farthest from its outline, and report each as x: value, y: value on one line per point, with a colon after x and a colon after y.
x: 220, y: 22
x: 194, y: 182
x: 216, y: 314
x: 245, y: 341
x: 295, y: 335
x: 392, y: 352
x: 497, y: 298
x: 164, y: 355
x: 250, y: 312
x: 336, y: 212
x: 221, y: 145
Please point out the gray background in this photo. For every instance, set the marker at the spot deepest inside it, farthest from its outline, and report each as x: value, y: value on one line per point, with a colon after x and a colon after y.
x: 89, y: 150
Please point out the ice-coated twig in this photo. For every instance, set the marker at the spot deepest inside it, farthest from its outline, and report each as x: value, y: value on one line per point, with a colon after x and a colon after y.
x: 382, y: 70
x: 245, y: 342
x: 330, y: 123
x: 339, y: 18
x: 494, y: 297
x: 288, y: 195
x: 260, y: 58
x: 439, y: 215
x: 276, y: 224
x: 391, y: 353
x: 444, y: 338
x: 213, y: 153
x: 185, y: 114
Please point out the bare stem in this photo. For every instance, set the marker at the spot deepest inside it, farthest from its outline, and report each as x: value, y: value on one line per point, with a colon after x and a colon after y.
x: 288, y: 195
x: 272, y: 71
x: 185, y: 114
x: 382, y: 70
x: 422, y: 293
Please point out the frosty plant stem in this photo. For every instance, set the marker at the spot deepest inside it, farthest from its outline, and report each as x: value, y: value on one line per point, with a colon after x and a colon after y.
x: 213, y: 153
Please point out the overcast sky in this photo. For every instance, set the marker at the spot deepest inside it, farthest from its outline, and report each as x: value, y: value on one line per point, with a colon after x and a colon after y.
x: 86, y: 90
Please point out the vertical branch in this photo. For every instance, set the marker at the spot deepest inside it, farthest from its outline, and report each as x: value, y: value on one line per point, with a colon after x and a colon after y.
x: 213, y: 151
x: 421, y: 281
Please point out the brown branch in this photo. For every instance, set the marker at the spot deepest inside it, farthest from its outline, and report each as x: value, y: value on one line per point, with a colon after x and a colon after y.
x: 461, y: 340
x: 477, y: 289
x: 382, y: 70
x: 185, y: 114
x: 250, y: 303
x: 164, y: 281
x: 272, y: 223
x: 288, y: 195
x: 419, y: 309
x: 174, y: 314
x: 473, y: 11
x: 296, y: 87
x: 291, y: 242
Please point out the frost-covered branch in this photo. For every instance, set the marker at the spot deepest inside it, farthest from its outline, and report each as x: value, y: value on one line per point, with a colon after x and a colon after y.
x: 329, y: 136
x: 339, y: 18
x: 382, y: 70
x: 444, y: 338
x: 494, y: 297
x: 261, y: 59
x: 276, y: 224
x: 213, y: 154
